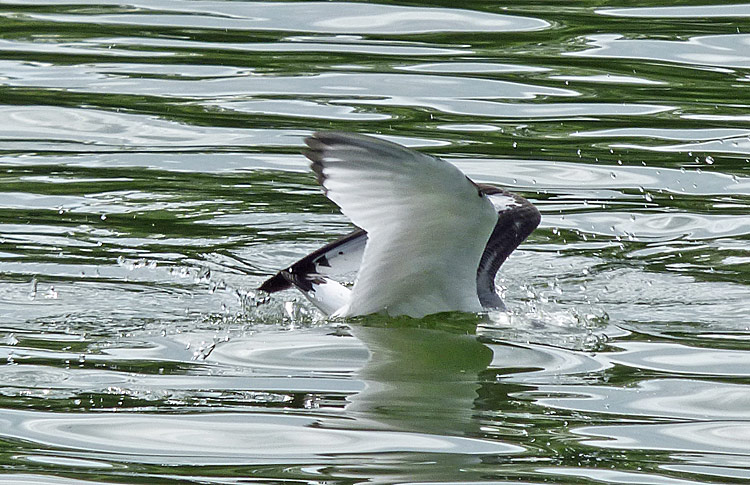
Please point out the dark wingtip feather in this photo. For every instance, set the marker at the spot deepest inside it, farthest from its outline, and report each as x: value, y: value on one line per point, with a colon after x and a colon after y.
x: 315, y: 142
x: 302, y: 273
x: 314, y: 153
x: 276, y: 283
x: 316, y: 164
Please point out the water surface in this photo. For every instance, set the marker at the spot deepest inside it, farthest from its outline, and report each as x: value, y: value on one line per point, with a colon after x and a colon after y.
x: 151, y: 179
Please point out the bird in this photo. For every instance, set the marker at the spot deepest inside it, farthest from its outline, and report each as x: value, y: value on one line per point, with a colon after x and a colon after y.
x: 428, y: 239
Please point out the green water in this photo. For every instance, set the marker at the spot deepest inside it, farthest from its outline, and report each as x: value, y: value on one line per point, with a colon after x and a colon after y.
x: 150, y: 179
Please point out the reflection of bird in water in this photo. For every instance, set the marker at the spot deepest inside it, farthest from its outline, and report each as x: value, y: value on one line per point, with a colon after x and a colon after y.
x: 431, y: 240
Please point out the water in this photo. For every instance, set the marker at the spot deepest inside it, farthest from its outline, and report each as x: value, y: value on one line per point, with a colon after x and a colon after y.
x: 151, y: 179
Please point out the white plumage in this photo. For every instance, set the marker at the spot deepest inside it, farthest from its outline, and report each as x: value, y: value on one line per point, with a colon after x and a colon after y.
x: 426, y: 231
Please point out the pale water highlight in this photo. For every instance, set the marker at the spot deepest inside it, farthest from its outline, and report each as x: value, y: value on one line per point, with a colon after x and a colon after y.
x: 150, y: 179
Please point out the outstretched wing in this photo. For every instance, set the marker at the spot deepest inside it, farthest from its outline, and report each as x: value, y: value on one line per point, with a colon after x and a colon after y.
x: 427, y: 224
x: 312, y: 275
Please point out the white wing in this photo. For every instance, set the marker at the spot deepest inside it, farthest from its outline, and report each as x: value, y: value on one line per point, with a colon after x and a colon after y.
x: 312, y: 275
x: 427, y: 224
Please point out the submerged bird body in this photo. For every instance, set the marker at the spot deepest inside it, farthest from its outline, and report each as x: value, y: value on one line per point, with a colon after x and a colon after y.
x: 431, y: 240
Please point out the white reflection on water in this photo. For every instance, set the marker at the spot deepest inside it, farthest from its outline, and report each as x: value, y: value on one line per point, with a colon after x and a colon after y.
x: 224, y: 438
x: 686, y: 11
x: 685, y: 134
x: 105, y: 50
x: 730, y: 145
x: 616, y: 476
x: 673, y: 358
x: 402, y: 85
x: 322, y: 17
x: 710, y: 50
x: 58, y: 125
x: 699, y: 437
x: 299, y: 43
x: 30, y: 479
x: 667, y: 398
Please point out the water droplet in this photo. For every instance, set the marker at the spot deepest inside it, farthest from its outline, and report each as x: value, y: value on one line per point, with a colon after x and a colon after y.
x: 204, y: 274
x: 515, y: 144
x: 10, y: 340
x: 613, y: 175
x: 710, y: 160
x: 32, y: 288
x: 103, y: 217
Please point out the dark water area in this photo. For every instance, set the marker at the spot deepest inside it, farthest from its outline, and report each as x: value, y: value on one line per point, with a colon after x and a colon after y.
x: 151, y: 178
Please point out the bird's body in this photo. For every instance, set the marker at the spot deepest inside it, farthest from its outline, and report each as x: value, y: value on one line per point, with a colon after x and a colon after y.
x: 431, y: 240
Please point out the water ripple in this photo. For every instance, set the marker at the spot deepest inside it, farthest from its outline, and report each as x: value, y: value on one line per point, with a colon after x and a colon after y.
x: 701, y: 437
x: 221, y: 439
x: 319, y: 17
x: 151, y: 178
x: 712, y: 50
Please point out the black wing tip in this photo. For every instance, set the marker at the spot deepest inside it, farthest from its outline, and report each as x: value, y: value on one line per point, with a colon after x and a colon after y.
x: 314, y: 152
x: 277, y: 282
x: 331, y: 137
x: 316, y: 164
x: 319, y: 141
x: 285, y: 279
x: 303, y: 271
